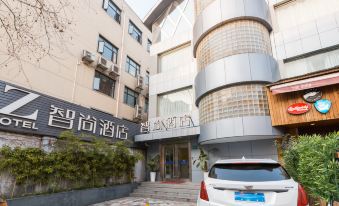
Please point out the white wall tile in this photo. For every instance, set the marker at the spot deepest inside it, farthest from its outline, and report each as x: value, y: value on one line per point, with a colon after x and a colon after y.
x: 293, y: 48
x: 308, y: 29
x: 329, y: 38
x: 291, y: 35
x: 326, y: 23
x: 311, y: 43
x: 278, y: 38
x: 281, y: 53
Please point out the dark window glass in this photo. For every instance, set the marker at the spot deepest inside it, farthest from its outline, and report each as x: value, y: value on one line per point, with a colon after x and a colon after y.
x: 147, y: 78
x: 146, y: 105
x: 109, y: 52
x: 135, y: 32
x: 114, y: 11
x: 149, y: 44
x: 132, y: 67
x: 104, y: 84
x: 249, y: 172
x: 130, y: 97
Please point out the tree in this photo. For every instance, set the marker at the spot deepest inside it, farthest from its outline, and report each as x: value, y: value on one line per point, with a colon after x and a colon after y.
x: 29, y: 27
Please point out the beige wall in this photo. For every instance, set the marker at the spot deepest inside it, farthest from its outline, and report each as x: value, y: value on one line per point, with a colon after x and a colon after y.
x: 64, y: 75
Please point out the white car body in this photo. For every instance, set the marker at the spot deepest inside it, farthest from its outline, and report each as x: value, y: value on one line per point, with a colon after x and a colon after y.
x: 223, y: 192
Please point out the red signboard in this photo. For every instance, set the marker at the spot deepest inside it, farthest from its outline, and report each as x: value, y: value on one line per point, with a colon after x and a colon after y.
x: 299, y: 108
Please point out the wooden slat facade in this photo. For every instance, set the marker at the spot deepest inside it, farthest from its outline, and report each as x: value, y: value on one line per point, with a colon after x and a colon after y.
x: 279, y: 103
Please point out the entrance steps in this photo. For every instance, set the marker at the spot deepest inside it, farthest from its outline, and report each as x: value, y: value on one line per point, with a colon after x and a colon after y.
x: 185, y: 192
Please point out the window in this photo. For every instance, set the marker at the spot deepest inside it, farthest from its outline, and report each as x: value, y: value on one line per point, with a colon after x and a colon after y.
x: 176, y: 19
x: 112, y: 10
x: 132, y: 67
x: 175, y: 103
x: 249, y: 172
x: 146, y: 105
x: 130, y: 97
x: 175, y: 59
x: 292, y: 15
x: 147, y: 78
x: 149, y: 44
x: 104, y: 84
x: 135, y: 32
x: 108, y: 50
x: 310, y: 64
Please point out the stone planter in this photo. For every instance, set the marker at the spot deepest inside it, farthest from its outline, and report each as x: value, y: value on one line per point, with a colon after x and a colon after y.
x: 152, y: 176
x: 75, y: 197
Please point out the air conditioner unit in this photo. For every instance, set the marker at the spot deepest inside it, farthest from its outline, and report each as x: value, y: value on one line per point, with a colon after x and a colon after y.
x: 104, y: 64
x: 140, y: 83
x: 114, y: 71
x: 138, y: 112
x: 88, y: 57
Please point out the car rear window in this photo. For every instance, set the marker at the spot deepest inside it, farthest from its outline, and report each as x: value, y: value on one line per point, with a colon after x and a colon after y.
x: 249, y: 172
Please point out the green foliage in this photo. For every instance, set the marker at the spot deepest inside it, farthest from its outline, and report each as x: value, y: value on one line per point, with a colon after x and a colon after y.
x: 310, y: 160
x: 154, y: 163
x: 201, y: 162
x: 72, y: 164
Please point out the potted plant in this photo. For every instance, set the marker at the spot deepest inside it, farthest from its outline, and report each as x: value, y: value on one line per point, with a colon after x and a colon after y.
x: 202, y: 161
x: 3, y: 202
x: 153, y: 165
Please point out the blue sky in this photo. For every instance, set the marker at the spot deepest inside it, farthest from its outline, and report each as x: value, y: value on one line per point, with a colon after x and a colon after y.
x: 141, y: 7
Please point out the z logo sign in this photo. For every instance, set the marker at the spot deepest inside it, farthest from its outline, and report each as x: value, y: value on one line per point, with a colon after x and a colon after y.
x: 9, y: 109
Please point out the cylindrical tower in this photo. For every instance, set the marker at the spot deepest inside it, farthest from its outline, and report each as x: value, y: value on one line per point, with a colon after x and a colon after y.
x: 232, y: 46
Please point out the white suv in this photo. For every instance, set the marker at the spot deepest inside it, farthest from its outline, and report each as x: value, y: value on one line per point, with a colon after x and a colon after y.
x: 250, y: 182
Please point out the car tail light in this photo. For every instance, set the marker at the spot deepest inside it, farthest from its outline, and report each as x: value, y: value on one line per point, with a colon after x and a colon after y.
x: 203, y: 192
x: 302, y: 196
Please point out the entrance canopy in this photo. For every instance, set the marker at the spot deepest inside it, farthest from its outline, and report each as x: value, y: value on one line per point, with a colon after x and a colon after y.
x: 314, y: 82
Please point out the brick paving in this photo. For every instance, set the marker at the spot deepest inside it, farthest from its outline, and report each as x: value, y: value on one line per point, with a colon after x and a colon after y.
x: 137, y: 201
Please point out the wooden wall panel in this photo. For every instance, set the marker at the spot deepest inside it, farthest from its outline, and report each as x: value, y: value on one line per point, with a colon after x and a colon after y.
x: 279, y: 103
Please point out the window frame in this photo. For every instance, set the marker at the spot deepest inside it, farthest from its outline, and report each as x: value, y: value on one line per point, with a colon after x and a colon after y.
x: 146, y: 105
x: 129, y: 65
x: 133, y: 29
x: 127, y: 93
x: 107, y: 44
x: 112, y: 95
x: 115, y: 8
x: 149, y: 44
x: 147, y: 77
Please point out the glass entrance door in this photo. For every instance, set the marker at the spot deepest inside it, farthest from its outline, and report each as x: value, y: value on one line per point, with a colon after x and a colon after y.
x: 169, y: 162
x: 176, y: 161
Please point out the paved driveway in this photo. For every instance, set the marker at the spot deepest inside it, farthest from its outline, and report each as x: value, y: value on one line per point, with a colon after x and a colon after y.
x: 137, y: 201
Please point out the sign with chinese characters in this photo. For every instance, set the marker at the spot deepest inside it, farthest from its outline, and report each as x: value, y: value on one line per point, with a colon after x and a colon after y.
x: 25, y: 111
x: 167, y: 124
x: 323, y: 106
x: 299, y: 108
x: 312, y: 95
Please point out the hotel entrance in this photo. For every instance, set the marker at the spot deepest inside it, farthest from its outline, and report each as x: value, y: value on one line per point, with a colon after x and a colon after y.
x: 175, y: 162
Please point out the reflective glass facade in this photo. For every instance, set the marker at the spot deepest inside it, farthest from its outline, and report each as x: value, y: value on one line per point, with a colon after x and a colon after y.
x: 179, y: 17
x: 178, y: 58
x: 175, y: 103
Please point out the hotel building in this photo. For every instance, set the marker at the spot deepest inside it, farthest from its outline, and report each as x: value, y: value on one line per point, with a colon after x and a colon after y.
x: 229, y: 73
x: 96, y: 81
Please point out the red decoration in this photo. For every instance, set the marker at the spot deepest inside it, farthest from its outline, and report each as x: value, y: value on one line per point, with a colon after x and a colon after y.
x: 299, y: 108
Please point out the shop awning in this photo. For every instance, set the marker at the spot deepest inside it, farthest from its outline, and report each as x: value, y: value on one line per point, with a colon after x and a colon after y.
x: 310, y: 83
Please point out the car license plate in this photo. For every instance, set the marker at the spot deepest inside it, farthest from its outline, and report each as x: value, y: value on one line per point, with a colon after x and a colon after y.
x: 249, y: 197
